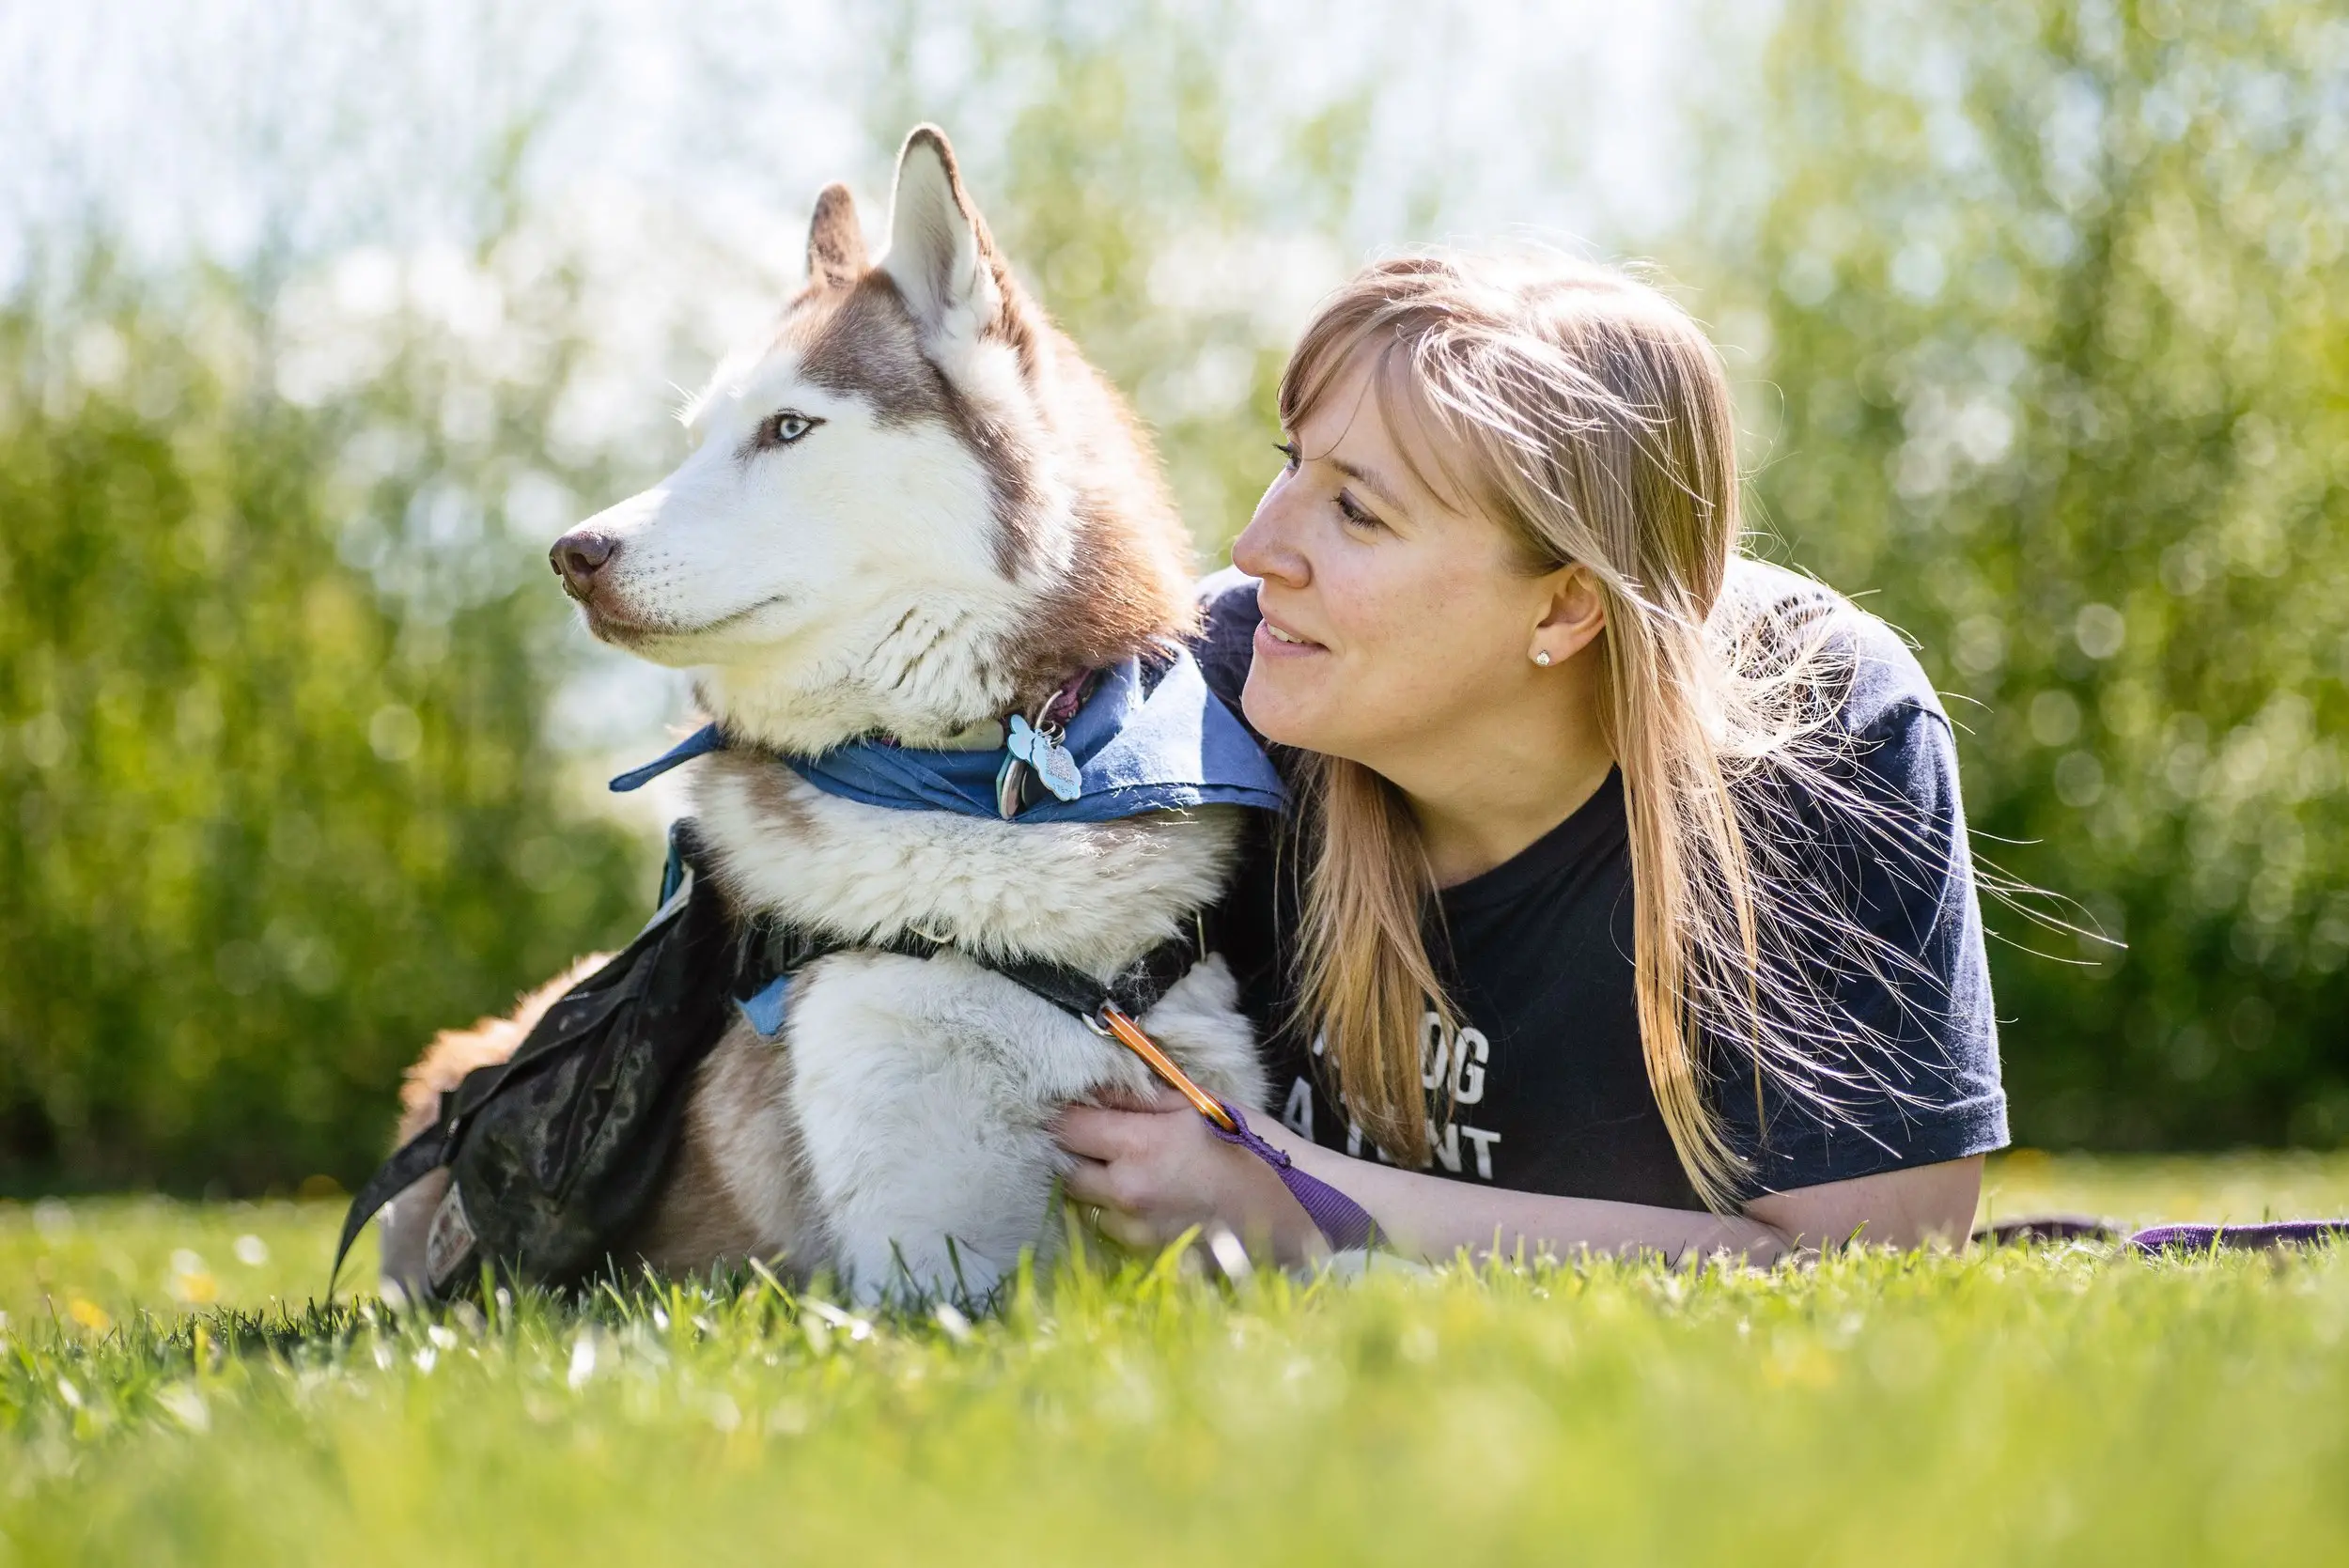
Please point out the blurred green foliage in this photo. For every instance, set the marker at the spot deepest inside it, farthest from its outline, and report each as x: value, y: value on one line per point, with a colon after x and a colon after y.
x: 2057, y: 303
x: 2042, y: 305
x: 271, y: 816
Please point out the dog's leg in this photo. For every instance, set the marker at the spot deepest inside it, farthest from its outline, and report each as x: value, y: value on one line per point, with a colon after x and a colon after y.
x: 738, y: 1187
x: 406, y: 1221
x: 925, y: 1092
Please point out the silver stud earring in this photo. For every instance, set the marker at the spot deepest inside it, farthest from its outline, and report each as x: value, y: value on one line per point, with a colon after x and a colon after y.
x: 1541, y: 656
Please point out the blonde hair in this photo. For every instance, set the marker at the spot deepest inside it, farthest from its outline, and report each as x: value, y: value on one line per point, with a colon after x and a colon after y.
x: 1589, y: 417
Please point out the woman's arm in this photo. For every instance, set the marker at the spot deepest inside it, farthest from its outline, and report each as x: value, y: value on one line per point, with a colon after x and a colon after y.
x: 1155, y: 1169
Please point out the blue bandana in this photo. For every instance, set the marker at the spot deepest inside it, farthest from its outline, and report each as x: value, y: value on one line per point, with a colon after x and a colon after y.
x: 1141, y: 745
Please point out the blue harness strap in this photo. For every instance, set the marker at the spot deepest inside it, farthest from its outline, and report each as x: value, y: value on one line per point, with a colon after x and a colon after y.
x: 766, y: 1008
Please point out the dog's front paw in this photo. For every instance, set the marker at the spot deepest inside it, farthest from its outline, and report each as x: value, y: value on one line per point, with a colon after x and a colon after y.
x: 922, y: 1275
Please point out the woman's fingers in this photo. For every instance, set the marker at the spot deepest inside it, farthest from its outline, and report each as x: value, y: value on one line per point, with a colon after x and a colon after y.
x: 1092, y: 1133
x: 1117, y: 1132
x: 1103, y: 1195
x: 1139, y: 1176
x: 1156, y: 1097
x: 1089, y: 1181
x: 1121, y: 1155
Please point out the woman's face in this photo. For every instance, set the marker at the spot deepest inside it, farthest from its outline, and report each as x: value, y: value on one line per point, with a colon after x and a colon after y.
x: 1393, y: 621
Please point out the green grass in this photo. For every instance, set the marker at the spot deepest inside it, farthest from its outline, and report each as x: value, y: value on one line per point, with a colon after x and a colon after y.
x: 2056, y: 1404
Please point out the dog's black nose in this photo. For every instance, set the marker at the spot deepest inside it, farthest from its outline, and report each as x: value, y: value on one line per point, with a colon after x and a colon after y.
x: 577, y: 557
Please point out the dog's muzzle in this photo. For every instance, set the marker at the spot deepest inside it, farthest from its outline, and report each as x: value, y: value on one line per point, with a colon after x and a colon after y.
x: 578, y: 557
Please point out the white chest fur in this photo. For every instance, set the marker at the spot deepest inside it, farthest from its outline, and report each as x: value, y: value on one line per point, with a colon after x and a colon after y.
x: 921, y: 1091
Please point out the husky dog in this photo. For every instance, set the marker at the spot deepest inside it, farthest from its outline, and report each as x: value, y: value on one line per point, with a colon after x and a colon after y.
x: 913, y: 510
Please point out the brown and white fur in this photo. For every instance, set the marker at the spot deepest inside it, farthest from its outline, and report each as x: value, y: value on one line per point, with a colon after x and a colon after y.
x: 912, y: 512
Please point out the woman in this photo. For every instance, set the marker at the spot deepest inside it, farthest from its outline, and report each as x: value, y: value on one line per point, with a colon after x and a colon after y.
x: 1628, y: 906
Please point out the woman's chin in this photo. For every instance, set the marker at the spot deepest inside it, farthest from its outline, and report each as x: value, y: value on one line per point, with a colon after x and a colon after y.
x: 1276, y: 711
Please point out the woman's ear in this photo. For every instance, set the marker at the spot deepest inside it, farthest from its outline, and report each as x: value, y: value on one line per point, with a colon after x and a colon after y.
x: 1574, y: 615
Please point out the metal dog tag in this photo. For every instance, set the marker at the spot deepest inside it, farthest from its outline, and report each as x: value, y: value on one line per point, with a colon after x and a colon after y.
x: 1041, y: 750
x: 1058, y: 770
x: 1011, y: 782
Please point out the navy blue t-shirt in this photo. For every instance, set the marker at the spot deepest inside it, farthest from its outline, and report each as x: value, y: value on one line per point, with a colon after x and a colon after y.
x: 1543, y: 1088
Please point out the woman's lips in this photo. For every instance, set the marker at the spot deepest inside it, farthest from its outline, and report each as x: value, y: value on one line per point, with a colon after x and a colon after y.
x: 1279, y: 642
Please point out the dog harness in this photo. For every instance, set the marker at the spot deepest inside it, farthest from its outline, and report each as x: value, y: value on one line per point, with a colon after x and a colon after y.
x: 555, y: 1154
x: 1110, y: 1011
x: 1141, y: 736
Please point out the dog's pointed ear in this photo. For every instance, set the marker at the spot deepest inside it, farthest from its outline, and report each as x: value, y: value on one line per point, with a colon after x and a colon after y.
x: 940, y: 255
x: 836, y: 241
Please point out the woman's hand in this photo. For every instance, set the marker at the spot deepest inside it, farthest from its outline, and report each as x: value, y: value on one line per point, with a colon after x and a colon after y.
x: 1148, y: 1169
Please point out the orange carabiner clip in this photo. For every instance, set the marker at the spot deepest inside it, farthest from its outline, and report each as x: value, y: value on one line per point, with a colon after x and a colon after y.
x: 1115, y: 1021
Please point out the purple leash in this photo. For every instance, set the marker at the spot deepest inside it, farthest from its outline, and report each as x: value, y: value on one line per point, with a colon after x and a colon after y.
x: 2238, y: 1238
x: 2176, y: 1240
x: 1343, y: 1222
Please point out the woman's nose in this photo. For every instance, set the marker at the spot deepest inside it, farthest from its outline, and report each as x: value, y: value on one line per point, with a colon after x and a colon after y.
x: 1267, y: 549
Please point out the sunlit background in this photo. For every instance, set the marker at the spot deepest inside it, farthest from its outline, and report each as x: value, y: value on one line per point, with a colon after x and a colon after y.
x: 317, y: 325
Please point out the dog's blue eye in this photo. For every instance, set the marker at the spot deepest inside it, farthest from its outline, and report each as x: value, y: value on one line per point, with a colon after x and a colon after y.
x: 782, y: 429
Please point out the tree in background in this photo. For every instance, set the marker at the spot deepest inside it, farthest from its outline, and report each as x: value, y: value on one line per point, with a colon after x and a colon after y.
x: 2057, y: 302
x: 273, y: 680
x: 2049, y: 296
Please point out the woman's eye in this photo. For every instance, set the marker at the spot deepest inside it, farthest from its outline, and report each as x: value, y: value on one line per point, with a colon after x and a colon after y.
x: 1351, y: 510
x: 1288, y: 449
